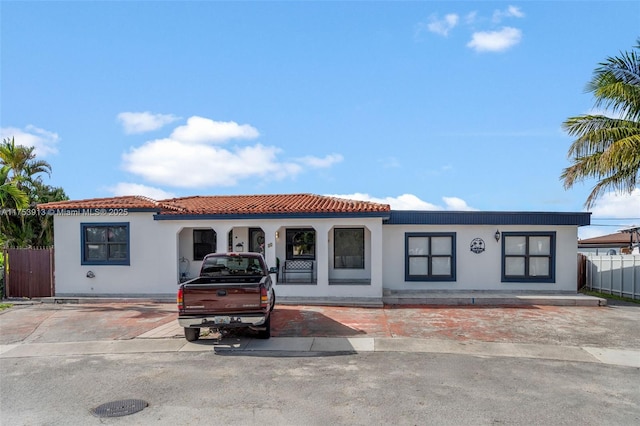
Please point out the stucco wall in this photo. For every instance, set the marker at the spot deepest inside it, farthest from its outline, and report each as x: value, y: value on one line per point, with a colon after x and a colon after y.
x: 152, y: 268
x: 481, y: 271
x: 156, y: 247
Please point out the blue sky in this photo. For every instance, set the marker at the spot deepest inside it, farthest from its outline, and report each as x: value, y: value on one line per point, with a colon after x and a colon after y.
x: 424, y: 105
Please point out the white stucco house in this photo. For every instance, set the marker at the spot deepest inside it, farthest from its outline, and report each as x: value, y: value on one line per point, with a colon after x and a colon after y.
x: 326, y: 248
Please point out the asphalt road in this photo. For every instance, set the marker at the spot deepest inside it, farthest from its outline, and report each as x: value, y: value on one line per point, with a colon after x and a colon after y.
x: 205, y: 388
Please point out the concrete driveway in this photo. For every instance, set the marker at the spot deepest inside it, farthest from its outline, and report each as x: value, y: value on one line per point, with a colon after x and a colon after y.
x: 614, y: 326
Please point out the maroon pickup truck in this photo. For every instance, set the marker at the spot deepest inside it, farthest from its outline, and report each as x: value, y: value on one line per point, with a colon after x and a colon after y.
x: 234, y: 290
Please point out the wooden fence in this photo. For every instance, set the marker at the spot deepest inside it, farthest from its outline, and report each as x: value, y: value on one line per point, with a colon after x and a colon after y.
x: 29, y: 272
x: 582, y: 271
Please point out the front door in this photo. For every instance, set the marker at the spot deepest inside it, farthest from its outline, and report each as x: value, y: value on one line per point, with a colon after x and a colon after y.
x: 256, y: 240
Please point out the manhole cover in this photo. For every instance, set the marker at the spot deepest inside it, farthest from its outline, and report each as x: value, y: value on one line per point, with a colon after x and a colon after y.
x: 120, y: 408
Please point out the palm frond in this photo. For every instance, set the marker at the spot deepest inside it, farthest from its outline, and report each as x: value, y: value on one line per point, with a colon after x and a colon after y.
x: 607, y: 148
x: 616, y: 85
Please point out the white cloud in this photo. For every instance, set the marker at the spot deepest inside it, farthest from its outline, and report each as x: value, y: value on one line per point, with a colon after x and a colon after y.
x: 141, y: 122
x: 204, y: 130
x: 455, y: 203
x: 321, y: 163
x: 470, y: 18
x: 495, y: 41
x: 444, y: 25
x: 410, y: 202
x: 481, y: 41
x: 42, y: 140
x: 171, y: 162
x: 613, y: 205
x: 187, y: 159
x: 127, y: 188
x: 516, y: 12
x: 509, y: 12
x: 625, y: 208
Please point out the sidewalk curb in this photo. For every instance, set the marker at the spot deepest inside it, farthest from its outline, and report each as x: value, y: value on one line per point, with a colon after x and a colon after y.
x: 324, y: 346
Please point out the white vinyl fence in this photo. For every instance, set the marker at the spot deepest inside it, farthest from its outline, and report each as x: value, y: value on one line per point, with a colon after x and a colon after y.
x: 619, y: 275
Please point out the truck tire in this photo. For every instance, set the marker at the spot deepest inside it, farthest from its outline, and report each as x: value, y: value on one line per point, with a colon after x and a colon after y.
x: 266, y: 333
x: 273, y: 301
x: 191, y: 334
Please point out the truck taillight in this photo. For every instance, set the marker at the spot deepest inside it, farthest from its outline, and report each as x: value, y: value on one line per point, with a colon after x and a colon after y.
x: 180, y: 298
x: 264, y: 297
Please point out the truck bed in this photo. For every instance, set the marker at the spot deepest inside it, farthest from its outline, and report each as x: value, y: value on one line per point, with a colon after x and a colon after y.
x: 231, y: 294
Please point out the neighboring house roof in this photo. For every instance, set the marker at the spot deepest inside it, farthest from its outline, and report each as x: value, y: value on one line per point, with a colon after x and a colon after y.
x: 619, y: 239
x: 231, y: 205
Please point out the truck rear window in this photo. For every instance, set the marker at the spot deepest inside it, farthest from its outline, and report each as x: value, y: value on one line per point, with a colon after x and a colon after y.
x: 231, y: 265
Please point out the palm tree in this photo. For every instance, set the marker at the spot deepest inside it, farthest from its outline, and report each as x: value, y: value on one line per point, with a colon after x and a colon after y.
x: 21, y: 163
x: 10, y: 195
x: 42, y: 225
x: 21, y: 187
x: 12, y: 199
x: 607, y: 147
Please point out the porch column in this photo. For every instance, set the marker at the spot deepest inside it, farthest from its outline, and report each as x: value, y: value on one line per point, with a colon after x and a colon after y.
x: 322, y: 257
x: 376, y: 257
x: 222, y: 238
x: 270, y: 244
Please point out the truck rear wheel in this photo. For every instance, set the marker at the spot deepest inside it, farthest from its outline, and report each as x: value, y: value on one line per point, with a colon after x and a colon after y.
x: 266, y: 333
x: 191, y: 334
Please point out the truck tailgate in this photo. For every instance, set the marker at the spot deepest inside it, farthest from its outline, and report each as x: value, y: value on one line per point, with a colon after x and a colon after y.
x: 220, y: 298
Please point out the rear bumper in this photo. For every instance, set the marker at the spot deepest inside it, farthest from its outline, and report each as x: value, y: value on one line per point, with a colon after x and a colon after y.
x: 222, y: 321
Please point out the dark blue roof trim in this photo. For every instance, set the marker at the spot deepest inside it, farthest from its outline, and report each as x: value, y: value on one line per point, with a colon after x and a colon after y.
x: 262, y: 216
x: 413, y: 217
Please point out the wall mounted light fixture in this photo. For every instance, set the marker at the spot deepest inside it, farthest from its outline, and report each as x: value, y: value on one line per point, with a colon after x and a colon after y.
x: 277, y: 235
x: 90, y: 274
x: 240, y: 247
x: 497, y: 235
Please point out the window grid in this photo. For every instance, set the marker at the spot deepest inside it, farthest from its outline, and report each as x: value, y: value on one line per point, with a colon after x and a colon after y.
x: 105, y: 244
x: 530, y: 262
x: 430, y: 264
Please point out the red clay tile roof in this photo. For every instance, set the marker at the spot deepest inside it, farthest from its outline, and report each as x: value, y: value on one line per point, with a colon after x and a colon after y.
x: 231, y: 204
x: 279, y: 203
x: 129, y: 201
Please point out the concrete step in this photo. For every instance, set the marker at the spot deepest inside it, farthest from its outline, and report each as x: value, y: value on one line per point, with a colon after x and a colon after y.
x: 424, y: 298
